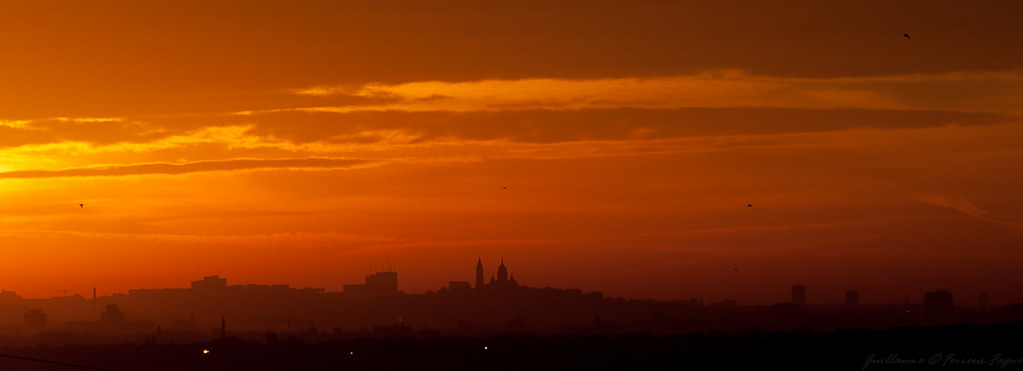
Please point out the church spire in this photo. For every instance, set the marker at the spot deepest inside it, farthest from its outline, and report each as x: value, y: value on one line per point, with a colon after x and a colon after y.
x: 479, y: 272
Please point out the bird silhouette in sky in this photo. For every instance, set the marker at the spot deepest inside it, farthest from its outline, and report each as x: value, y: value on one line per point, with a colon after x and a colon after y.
x: 504, y: 188
x: 81, y: 205
x: 906, y: 35
x: 749, y: 205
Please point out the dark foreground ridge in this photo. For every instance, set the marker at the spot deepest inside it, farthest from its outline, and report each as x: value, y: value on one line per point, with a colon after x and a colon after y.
x: 996, y: 347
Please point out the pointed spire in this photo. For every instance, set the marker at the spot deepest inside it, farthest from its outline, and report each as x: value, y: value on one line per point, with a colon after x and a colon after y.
x: 479, y: 272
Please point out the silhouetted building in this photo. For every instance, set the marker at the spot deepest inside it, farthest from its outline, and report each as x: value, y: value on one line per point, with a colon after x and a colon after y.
x: 502, y: 273
x: 353, y: 289
x: 113, y: 315
x: 798, y: 294
x: 384, y: 283
x: 213, y: 282
x: 459, y: 285
x: 938, y: 303
x: 35, y: 320
x: 502, y: 279
x: 479, y: 272
x: 852, y: 297
x: 982, y: 301
x: 377, y: 284
x: 111, y: 321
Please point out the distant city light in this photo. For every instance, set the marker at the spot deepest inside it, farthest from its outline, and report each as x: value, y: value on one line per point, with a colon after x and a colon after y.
x: 351, y: 352
x: 205, y: 351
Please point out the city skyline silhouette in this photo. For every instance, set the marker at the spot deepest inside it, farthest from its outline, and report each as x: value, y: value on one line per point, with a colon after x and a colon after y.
x: 385, y: 280
x: 378, y: 303
x: 325, y: 184
x: 237, y: 321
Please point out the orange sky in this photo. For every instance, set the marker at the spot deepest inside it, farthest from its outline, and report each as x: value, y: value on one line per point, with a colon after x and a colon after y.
x: 300, y: 142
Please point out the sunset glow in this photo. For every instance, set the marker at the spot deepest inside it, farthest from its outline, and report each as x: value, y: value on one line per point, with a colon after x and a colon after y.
x: 306, y: 142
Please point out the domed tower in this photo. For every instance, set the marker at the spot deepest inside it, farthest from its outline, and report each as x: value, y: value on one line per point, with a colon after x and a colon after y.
x: 502, y: 273
x: 479, y: 273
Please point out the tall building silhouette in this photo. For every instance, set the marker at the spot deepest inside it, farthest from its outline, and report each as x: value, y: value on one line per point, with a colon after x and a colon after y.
x: 479, y: 272
x: 382, y: 283
x: 377, y: 284
x: 852, y: 297
x: 502, y: 274
x: 798, y: 294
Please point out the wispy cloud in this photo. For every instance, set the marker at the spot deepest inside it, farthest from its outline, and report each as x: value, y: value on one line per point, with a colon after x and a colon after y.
x: 964, y: 206
x: 720, y: 88
x: 182, y: 168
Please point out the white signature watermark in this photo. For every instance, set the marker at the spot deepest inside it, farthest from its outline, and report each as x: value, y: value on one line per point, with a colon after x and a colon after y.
x: 941, y: 360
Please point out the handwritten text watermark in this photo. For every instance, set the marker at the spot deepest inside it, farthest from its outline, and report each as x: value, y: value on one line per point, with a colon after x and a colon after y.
x: 941, y: 360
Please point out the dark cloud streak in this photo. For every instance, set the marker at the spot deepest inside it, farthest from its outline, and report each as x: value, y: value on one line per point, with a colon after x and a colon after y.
x: 89, y: 58
x: 549, y: 126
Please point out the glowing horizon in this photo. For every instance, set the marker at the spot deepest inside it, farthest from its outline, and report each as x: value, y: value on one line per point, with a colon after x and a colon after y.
x: 300, y: 143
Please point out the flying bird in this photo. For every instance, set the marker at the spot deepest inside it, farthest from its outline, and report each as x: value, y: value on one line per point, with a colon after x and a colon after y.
x: 81, y: 205
x: 749, y: 205
x: 504, y: 188
x: 906, y: 35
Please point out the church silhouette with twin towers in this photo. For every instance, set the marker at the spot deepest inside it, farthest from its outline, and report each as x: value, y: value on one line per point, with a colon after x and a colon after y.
x: 502, y: 278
